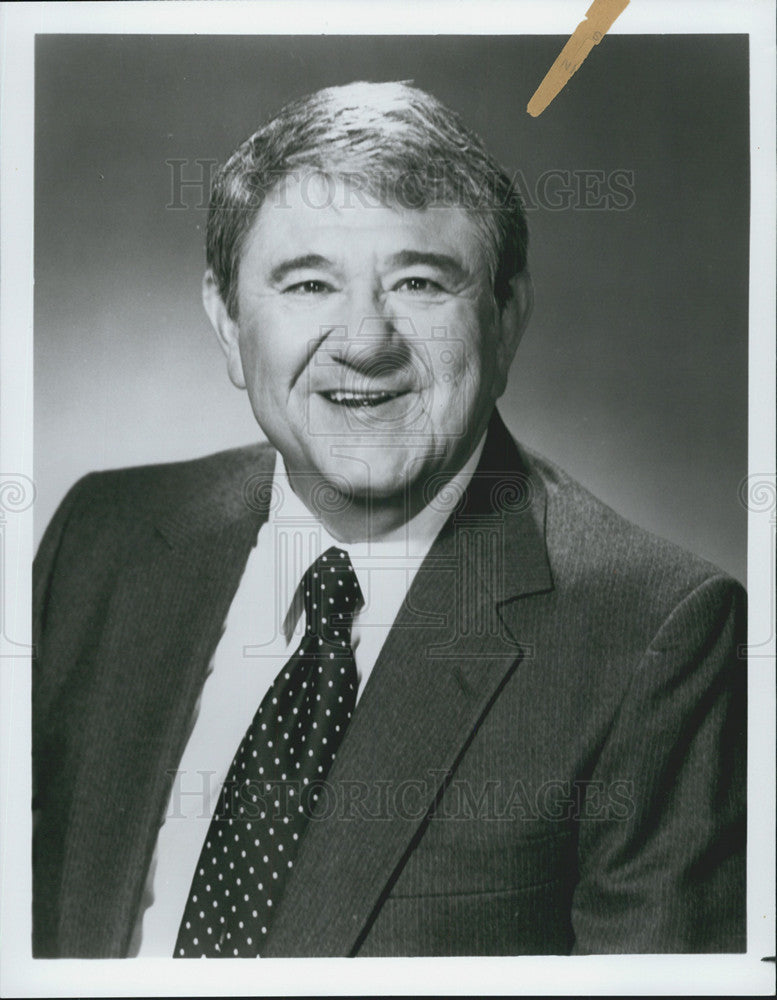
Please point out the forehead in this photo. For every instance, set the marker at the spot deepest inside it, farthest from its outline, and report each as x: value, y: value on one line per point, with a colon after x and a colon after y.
x: 336, y: 218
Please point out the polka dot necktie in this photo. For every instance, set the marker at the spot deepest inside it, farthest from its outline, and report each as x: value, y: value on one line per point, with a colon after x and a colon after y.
x: 276, y: 776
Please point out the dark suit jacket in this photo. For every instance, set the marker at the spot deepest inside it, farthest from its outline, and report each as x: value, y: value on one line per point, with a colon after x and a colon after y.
x: 549, y: 756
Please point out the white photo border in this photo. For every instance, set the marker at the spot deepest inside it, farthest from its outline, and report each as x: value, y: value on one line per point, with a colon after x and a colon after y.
x: 20, y: 974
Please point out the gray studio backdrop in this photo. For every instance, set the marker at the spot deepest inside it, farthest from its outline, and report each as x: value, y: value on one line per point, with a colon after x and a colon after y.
x: 633, y: 375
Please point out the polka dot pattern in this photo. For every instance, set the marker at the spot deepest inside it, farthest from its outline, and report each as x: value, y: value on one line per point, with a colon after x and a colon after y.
x: 277, y: 775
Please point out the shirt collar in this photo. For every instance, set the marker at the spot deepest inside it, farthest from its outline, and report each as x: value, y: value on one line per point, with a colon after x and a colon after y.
x: 299, y: 537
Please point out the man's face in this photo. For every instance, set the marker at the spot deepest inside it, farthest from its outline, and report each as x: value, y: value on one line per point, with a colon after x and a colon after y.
x: 367, y: 337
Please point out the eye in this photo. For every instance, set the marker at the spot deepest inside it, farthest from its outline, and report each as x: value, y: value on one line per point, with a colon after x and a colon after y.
x: 417, y: 284
x: 310, y: 287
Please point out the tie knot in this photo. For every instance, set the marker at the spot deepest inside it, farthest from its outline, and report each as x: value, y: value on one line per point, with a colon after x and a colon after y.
x: 332, y: 596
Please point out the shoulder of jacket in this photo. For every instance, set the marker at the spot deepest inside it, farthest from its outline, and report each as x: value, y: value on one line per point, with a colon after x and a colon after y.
x: 112, y: 510
x: 589, y: 541
x: 151, y: 489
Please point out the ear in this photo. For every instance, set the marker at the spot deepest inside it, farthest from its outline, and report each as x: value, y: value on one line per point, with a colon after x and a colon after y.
x: 226, y: 328
x: 512, y: 320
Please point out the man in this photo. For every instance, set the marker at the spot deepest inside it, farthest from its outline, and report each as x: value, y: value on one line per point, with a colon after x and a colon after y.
x: 392, y: 684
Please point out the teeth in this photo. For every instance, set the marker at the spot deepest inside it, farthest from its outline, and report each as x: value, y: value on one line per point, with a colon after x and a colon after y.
x: 360, y: 398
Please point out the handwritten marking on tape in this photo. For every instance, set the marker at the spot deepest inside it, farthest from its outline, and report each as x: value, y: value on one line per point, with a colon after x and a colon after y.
x: 599, y: 18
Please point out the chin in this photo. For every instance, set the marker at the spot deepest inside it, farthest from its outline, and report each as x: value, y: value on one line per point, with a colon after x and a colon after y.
x: 369, y: 471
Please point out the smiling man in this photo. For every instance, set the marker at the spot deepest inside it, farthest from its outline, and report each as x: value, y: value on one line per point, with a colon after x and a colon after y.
x: 390, y: 684
x: 370, y: 342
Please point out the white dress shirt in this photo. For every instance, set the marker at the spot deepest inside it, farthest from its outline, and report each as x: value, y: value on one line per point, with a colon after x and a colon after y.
x: 263, y: 627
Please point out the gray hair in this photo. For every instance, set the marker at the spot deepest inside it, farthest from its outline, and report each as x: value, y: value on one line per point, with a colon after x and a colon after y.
x: 392, y: 141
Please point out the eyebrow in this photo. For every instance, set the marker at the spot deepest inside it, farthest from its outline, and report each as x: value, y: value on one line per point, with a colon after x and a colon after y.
x: 404, y: 258
x: 441, y: 261
x: 309, y: 260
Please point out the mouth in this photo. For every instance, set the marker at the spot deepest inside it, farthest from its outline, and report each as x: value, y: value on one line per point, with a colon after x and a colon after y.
x: 370, y: 397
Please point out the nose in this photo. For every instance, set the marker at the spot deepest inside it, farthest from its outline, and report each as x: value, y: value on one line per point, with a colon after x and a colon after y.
x: 371, y: 336
x: 368, y: 316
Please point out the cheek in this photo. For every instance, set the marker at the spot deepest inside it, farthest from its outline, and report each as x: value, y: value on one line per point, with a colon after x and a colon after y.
x: 250, y: 352
x: 267, y: 355
x: 466, y: 360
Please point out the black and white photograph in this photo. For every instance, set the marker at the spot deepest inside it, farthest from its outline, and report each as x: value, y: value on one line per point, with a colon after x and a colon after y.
x: 387, y: 504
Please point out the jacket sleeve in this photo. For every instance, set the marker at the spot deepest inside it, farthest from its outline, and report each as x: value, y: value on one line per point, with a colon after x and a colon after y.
x: 51, y: 558
x: 46, y: 680
x: 665, y: 872
x: 46, y: 557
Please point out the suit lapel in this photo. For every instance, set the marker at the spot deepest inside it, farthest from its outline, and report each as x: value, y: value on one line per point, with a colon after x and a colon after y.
x: 444, y: 662
x: 165, y: 620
